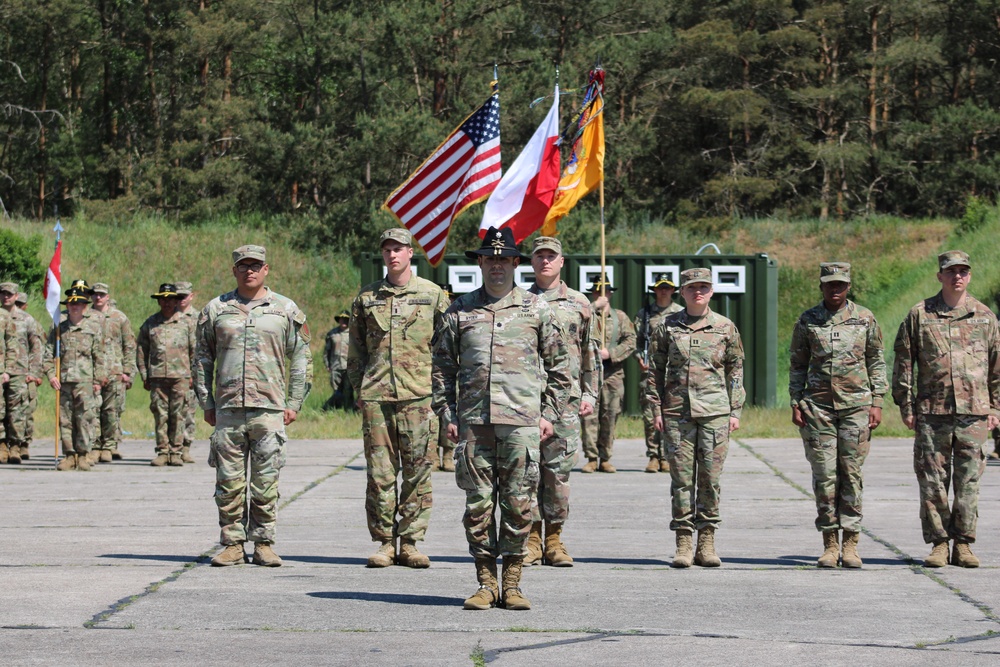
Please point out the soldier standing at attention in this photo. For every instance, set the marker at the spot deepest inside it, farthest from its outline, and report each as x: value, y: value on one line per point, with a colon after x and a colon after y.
x: 389, y: 364
x: 166, y: 359
x: 23, y: 370
x: 646, y: 321
x: 558, y: 453
x: 82, y: 373
x: 121, y: 371
x: 946, y: 382
x: 185, y: 292
x: 244, y: 339
x: 696, y: 383
x: 335, y: 360
x: 501, y: 380
x: 36, y: 341
x: 615, y: 343
x: 837, y: 381
x: 9, y: 353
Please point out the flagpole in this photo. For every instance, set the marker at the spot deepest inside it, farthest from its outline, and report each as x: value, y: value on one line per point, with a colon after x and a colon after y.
x: 58, y: 230
x: 604, y: 274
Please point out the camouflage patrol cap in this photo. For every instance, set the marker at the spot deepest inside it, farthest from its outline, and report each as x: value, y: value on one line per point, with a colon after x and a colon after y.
x: 835, y: 272
x: 249, y: 252
x: 699, y: 275
x: 953, y: 258
x: 397, y: 234
x: 183, y: 288
x: 22, y: 297
x: 547, y: 243
x: 100, y: 288
x: 9, y: 287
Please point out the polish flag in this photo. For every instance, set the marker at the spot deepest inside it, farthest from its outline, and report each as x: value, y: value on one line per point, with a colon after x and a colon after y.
x: 525, y: 193
x: 53, y: 287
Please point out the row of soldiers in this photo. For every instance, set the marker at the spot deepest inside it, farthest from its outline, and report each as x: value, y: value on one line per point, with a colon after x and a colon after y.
x: 21, y: 343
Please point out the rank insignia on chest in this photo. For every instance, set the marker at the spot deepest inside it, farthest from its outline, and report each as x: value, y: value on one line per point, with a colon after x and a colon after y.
x: 835, y: 335
x: 695, y: 342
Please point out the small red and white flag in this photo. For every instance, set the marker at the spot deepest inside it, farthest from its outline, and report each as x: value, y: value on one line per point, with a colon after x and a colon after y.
x: 525, y: 193
x: 53, y: 285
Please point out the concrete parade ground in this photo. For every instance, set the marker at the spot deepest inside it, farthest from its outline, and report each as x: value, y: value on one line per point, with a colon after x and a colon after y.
x: 110, y: 567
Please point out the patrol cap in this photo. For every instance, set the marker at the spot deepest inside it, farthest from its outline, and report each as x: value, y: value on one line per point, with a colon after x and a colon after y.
x: 100, y: 288
x: 75, y: 295
x: 547, y: 243
x: 835, y: 272
x: 397, y: 234
x: 249, y: 252
x: 166, y: 291
x: 183, y: 288
x: 699, y: 275
x: 22, y: 297
x: 343, y: 315
x: 953, y: 258
x: 9, y: 287
x: 663, y: 280
x: 81, y: 286
x: 600, y: 285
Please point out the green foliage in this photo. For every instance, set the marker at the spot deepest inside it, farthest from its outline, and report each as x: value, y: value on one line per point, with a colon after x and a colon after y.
x: 19, y: 260
x: 977, y: 213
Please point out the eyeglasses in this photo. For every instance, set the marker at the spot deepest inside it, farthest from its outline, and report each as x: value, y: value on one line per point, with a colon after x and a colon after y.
x: 256, y: 267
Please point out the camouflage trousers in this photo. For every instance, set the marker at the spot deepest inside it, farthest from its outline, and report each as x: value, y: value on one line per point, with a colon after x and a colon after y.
x: 112, y: 405
x: 599, y: 426
x: 78, y: 403
x: 949, y: 450
x: 497, y: 465
x: 558, y: 456
x: 444, y: 444
x: 338, y: 385
x: 190, y: 403
x: 16, y: 400
x: 654, y: 439
x: 29, y: 426
x: 696, y: 450
x: 397, y: 435
x: 167, y: 400
x: 241, y: 438
x: 836, y: 443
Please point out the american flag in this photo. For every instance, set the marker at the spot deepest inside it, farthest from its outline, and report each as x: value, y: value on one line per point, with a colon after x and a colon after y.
x: 463, y: 170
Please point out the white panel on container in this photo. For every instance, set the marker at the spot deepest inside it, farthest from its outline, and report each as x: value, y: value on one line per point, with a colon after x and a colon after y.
x: 524, y: 276
x: 729, y: 279
x: 591, y: 273
x: 464, y: 279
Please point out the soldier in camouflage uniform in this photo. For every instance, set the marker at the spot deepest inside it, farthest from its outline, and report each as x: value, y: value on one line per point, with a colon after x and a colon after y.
x: 946, y: 382
x: 648, y: 318
x: 165, y: 358
x: 335, y: 361
x: 23, y: 373
x: 82, y: 372
x: 185, y: 292
x: 502, y: 378
x: 559, y: 453
x: 244, y: 338
x: 121, y: 371
x: 9, y: 354
x: 36, y: 339
x: 837, y: 381
x: 389, y: 364
x: 696, y: 383
x: 446, y: 460
x: 616, y: 344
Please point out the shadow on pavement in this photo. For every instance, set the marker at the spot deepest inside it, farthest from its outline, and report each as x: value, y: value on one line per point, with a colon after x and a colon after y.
x: 326, y: 560
x: 395, y: 598
x: 160, y: 557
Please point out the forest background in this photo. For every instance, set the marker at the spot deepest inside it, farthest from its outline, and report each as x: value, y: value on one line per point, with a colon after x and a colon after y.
x: 165, y: 129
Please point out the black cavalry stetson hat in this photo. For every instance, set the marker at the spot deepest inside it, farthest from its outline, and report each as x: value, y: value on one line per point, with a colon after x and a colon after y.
x: 497, y: 243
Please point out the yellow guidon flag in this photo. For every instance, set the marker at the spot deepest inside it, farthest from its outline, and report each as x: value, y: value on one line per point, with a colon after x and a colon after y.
x: 585, y: 170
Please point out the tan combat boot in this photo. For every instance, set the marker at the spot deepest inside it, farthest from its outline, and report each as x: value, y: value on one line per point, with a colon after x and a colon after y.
x: 83, y: 461
x: 850, y: 557
x: 705, y: 556
x: 93, y: 456
x: 962, y: 555
x: 385, y: 556
x: 105, y: 456
x: 607, y: 467
x: 186, y: 454
x: 174, y: 459
x: 68, y: 462
x: 938, y: 556
x: 24, y: 451
x: 4, y: 452
x: 653, y: 465
x: 831, y: 550
x: 512, y: 596
x: 432, y: 456
x: 664, y: 465
x: 448, y: 461
x: 160, y: 460
x: 534, y: 545
x: 555, y: 551
x: 409, y: 556
x: 684, y: 555
x: 116, y: 455
x: 589, y: 466
x: 264, y: 555
x: 15, y: 454
x: 489, y: 590
x: 231, y: 555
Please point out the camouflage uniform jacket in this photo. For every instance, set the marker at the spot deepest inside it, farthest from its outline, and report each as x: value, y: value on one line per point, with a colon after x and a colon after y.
x: 836, y: 358
x: 31, y: 345
x: 335, y: 350
x: 83, y: 350
x: 572, y: 309
x: 656, y: 315
x: 620, y: 341
x: 389, y: 358
x: 121, y: 352
x: 9, y: 348
x: 957, y: 353
x: 242, y: 348
x: 500, y: 362
x: 696, y: 366
x: 166, y: 348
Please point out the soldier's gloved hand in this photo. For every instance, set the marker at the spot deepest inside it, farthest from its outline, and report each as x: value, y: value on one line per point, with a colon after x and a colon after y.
x: 734, y: 424
x: 797, y: 417
x: 545, y: 430
x: 874, y: 418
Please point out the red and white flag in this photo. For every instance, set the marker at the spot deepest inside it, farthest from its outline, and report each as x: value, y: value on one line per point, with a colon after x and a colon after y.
x: 463, y: 170
x: 53, y: 285
x: 525, y: 193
